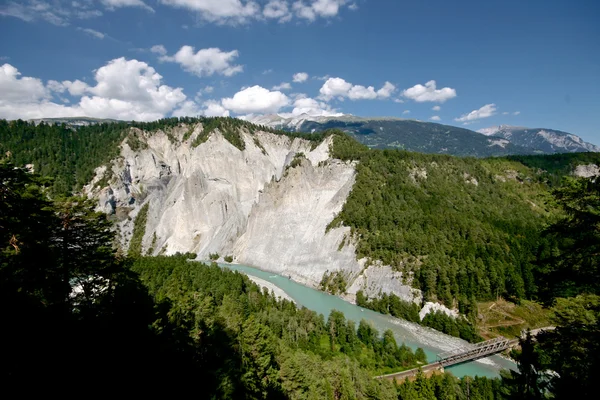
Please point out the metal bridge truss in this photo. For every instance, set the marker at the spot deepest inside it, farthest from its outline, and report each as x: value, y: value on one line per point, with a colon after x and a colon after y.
x: 480, y: 350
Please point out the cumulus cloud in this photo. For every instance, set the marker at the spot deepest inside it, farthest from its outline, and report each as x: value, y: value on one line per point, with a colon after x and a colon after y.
x: 339, y: 88
x: 124, y: 89
x: 277, y: 9
x: 300, y: 77
x: 19, y: 90
x: 386, y: 91
x: 282, y: 86
x: 429, y: 92
x: 244, y: 11
x: 517, y: 113
x: 436, y: 108
x: 219, y: 11
x: 435, y: 118
x: 256, y: 100
x: 317, y: 8
x: 215, y: 109
x: 484, y: 112
x: 76, y: 88
x: 306, y: 105
x: 405, y: 112
x: 93, y: 33
x: 159, y: 49
x: 204, y: 62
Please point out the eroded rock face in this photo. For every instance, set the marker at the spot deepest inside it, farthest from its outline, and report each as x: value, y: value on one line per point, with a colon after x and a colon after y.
x: 267, y: 206
x: 586, y: 171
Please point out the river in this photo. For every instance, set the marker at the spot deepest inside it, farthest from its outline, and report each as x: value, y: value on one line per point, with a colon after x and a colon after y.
x: 413, y: 335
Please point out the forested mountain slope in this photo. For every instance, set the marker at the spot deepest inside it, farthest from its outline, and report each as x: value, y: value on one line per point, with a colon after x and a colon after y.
x: 320, y: 206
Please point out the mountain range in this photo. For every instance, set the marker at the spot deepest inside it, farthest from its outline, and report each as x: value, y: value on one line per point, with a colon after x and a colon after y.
x: 414, y: 135
x: 429, y: 137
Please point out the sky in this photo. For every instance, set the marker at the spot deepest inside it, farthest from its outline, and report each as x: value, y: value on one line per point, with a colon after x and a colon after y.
x: 466, y: 63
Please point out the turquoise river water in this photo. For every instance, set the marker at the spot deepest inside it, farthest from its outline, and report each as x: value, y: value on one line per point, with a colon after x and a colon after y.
x: 411, y: 334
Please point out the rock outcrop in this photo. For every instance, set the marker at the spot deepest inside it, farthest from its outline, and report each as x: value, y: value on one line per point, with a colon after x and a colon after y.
x: 267, y: 206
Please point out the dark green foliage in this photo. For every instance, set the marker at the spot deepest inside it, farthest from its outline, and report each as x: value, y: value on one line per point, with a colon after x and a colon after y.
x: 408, y: 310
x: 526, y: 383
x: 68, y: 155
x: 569, y: 263
x: 464, y: 227
x: 553, y: 168
x: 448, y: 387
x: 228, y: 259
x: 333, y: 283
x: 213, y: 256
x: 64, y: 297
x: 139, y: 230
x: 266, y: 333
x: 459, y: 327
x: 390, y: 304
x: 573, y: 348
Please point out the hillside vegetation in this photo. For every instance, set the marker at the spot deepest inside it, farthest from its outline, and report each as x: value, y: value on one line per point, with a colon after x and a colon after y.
x: 69, y: 155
x: 466, y: 229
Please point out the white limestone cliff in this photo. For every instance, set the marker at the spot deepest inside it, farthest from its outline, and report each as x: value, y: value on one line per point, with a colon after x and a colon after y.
x: 250, y: 204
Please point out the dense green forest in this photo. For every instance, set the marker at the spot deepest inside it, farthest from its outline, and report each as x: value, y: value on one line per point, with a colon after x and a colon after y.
x: 466, y: 229
x: 391, y: 304
x: 70, y: 155
x: 67, y: 298
x: 76, y: 315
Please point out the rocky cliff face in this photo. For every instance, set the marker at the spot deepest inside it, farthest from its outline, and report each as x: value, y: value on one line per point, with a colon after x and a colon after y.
x: 268, y: 205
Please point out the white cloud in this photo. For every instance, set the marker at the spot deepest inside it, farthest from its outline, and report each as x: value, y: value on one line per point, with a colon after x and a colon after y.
x: 282, y: 86
x: 358, y: 92
x: 159, y: 49
x: 405, y: 112
x: 429, y: 92
x: 219, y: 11
x: 353, y: 6
x: 112, y: 4
x: 317, y: 8
x: 93, y: 33
x: 339, y: 88
x: 17, y: 90
x: 484, y: 112
x: 300, y: 77
x: 398, y: 101
x: 435, y: 118
x: 267, y: 71
x: 505, y: 113
x: 386, y: 91
x: 436, y: 108
x: 188, y: 108
x: 124, y: 89
x: 76, y: 88
x: 205, y: 62
x: 517, y: 113
x: 208, y: 89
x: 256, y: 100
x: 215, y: 109
x: 277, y: 9
x: 62, y: 12
x: 334, y: 87
x: 312, y: 107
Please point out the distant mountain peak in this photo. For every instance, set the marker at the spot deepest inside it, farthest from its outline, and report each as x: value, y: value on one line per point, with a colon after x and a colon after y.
x: 542, y: 140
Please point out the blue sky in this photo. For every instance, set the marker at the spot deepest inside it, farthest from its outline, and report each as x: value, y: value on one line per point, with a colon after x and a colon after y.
x: 482, y: 63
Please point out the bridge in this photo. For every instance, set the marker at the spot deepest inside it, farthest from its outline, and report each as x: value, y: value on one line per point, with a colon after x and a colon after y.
x: 475, y: 352
x: 457, y: 356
